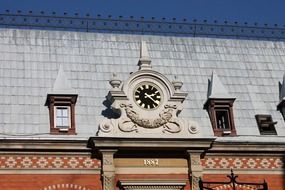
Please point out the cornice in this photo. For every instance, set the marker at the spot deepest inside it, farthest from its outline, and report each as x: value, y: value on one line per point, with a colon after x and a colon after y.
x: 43, y: 145
x: 250, y: 147
x: 150, y: 143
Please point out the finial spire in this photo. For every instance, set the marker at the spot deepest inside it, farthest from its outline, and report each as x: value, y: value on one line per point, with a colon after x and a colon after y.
x: 144, y: 61
x: 61, y: 84
x: 216, y: 88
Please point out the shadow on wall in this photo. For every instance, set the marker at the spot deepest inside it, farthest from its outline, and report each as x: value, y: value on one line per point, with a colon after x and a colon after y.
x: 109, y: 112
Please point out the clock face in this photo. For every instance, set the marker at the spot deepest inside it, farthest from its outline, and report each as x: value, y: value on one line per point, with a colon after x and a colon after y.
x: 147, y: 96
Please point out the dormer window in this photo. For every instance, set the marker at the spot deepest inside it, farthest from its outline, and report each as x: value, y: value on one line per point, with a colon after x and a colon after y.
x: 266, y: 124
x: 221, y: 115
x: 219, y: 106
x: 62, y: 113
x: 61, y: 103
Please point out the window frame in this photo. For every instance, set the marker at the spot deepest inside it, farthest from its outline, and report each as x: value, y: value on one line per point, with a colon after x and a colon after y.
x: 62, y: 127
x: 226, y: 116
x: 53, y: 102
x: 213, y: 105
x: 265, y: 119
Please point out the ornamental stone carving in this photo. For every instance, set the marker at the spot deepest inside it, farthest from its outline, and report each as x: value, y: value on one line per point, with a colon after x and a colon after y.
x: 148, y: 105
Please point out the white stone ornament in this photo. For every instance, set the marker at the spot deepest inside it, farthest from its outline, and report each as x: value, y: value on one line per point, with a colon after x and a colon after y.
x: 115, y: 82
x: 148, y: 104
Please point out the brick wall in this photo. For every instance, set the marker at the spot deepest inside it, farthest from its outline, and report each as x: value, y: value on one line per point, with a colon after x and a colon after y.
x: 50, y: 182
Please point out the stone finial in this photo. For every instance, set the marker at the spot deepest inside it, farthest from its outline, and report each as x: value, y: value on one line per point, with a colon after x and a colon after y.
x: 177, y: 84
x: 115, y: 82
x: 144, y: 61
x: 282, y: 89
x: 144, y: 52
x: 61, y: 84
x: 216, y: 88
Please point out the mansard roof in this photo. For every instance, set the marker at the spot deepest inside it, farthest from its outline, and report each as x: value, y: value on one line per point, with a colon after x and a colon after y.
x: 249, y: 69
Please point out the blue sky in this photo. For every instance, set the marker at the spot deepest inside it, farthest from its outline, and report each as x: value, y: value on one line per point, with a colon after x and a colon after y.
x: 261, y: 11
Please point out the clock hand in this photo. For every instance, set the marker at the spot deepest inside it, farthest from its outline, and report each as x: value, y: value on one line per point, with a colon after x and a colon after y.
x: 149, y: 96
x: 153, y: 94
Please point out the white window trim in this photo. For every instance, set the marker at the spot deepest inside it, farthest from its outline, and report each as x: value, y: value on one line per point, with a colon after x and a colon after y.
x: 69, y: 118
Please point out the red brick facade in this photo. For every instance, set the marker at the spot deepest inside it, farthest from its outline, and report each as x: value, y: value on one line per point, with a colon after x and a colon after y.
x: 50, y: 182
x: 68, y: 172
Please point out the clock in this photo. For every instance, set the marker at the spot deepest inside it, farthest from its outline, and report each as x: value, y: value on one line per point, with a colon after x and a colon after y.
x: 147, y: 96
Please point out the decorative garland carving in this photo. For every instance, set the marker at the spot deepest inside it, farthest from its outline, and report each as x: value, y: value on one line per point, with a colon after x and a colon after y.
x: 165, y: 119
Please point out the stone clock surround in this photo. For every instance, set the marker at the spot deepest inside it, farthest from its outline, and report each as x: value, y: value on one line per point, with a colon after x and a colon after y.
x: 135, y: 121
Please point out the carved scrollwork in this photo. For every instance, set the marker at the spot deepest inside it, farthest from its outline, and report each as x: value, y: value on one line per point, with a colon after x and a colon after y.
x: 106, y: 126
x: 164, y: 117
x: 172, y: 127
x: 126, y: 125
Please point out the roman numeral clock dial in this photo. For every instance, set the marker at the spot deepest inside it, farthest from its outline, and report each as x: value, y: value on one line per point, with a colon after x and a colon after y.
x: 147, y: 96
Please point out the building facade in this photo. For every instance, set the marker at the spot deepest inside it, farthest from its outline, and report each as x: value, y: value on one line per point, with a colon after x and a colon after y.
x: 116, y: 108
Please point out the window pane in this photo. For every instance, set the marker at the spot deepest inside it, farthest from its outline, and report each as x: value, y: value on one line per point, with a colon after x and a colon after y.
x: 58, y: 122
x: 58, y: 112
x: 62, y: 117
x: 64, y: 112
x: 222, y: 120
x: 64, y: 121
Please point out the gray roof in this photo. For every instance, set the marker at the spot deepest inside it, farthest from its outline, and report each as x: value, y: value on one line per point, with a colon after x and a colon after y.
x: 30, y: 60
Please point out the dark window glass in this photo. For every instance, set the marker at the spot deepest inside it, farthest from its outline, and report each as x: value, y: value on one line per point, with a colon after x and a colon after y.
x: 222, y: 119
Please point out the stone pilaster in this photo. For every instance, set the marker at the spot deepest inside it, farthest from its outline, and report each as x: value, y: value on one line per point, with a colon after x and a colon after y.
x: 108, y: 169
x: 195, y: 168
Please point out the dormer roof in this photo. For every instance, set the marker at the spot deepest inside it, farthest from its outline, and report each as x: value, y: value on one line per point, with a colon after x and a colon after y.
x: 62, y: 84
x: 216, y: 88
